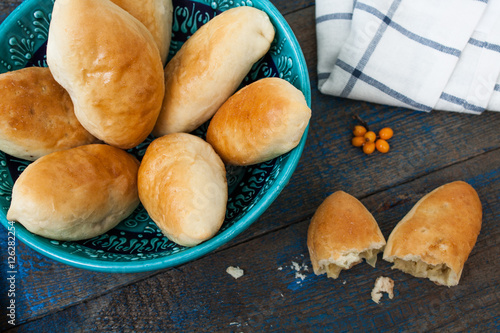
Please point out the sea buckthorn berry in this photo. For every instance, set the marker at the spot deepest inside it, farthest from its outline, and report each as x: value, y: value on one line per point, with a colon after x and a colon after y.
x: 359, y: 130
x: 370, y: 136
x: 382, y: 146
x: 386, y: 133
x: 369, y: 148
x: 358, y: 141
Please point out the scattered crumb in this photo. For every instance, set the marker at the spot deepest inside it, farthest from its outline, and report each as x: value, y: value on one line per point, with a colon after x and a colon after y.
x: 382, y: 284
x: 344, y: 282
x: 298, y: 267
x: 235, y: 272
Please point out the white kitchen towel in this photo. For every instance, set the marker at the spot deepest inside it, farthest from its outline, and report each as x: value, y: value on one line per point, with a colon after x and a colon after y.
x: 405, y: 52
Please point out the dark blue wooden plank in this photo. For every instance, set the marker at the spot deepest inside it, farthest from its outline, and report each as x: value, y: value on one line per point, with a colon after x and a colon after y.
x: 6, y: 7
x: 43, y: 285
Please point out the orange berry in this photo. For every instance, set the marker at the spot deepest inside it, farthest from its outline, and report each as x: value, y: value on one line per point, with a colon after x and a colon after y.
x: 386, y: 133
x: 382, y: 146
x: 358, y: 141
x: 359, y: 130
x: 370, y: 136
x: 369, y: 148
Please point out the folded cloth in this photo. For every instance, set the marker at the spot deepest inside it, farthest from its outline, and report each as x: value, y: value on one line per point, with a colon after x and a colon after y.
x: 423, y: 55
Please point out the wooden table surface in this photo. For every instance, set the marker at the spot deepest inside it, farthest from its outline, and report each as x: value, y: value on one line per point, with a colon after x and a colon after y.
x: 428, y: 150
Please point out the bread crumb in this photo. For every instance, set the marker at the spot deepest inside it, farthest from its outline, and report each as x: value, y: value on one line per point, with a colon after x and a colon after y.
x: 299, y: 268
x: 235, y: 272
x: 382, y: 284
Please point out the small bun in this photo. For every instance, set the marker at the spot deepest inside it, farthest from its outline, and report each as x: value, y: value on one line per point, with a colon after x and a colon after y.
x: 210, y: 66
x: 111, y: 67
x: 77, y: 193
x: 260, y: 122
x: 437, y: 235
x: 182, y: 185
x: 37, y: 116
x: 342, y: 232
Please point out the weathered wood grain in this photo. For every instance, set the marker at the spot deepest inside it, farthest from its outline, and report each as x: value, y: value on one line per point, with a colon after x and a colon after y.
x: 272, y: 297
x: 44, y: 286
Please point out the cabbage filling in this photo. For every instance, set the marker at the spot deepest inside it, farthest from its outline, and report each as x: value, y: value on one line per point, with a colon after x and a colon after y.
x: 334, y: 267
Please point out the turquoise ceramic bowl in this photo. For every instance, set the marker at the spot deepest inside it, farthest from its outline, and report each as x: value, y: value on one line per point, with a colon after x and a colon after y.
x: 137, y: 244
